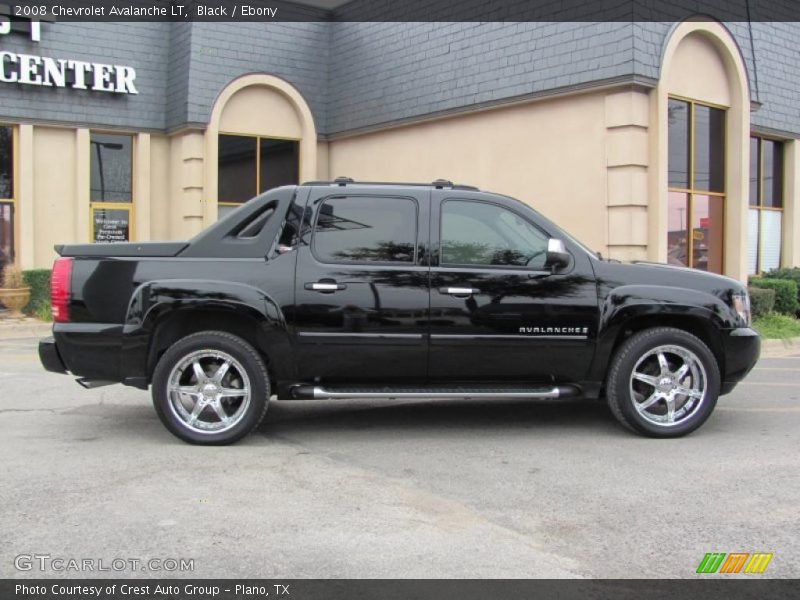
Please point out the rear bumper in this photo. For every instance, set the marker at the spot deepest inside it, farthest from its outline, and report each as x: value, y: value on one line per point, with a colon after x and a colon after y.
x: 49, y: 356
x: 742, y: 349
x: 88, y: 351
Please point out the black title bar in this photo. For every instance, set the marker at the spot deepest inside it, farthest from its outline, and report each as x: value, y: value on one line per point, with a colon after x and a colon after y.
x: 406, y: 10
x: 711, y: 588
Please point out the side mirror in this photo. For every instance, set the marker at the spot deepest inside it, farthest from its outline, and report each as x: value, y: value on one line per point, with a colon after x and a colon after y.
x: 557, y: 255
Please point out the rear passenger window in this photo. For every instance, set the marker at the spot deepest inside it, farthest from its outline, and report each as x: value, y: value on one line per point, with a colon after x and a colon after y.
x: 366, y: 229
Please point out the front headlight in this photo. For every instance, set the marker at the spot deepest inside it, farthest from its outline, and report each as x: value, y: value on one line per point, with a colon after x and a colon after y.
x: 741, y: 303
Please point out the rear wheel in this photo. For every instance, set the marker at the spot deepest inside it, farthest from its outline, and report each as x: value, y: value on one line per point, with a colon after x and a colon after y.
x: 663, y: 382
x: 211, y: 388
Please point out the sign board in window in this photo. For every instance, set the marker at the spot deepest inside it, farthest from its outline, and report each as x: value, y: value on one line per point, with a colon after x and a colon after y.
x: 111, y: 224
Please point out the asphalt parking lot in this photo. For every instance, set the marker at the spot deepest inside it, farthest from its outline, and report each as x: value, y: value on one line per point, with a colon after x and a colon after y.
x: 402, y: 489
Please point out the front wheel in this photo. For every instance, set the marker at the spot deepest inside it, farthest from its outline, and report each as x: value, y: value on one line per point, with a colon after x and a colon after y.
x: 663, y: 382
x: 211, y: 388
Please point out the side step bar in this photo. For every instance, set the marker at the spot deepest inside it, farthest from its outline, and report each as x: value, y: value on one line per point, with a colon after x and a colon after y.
x: 318, y: 392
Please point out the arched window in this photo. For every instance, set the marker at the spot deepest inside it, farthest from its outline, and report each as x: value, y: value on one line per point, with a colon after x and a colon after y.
x: 261, y: 135
x: 696, y: 173
x: 704, y: 124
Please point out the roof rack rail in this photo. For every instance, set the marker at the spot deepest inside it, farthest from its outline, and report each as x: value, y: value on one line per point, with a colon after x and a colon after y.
x: 438, y: 184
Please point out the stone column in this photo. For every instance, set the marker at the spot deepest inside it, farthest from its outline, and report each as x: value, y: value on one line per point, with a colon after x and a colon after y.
x: 627, y: 153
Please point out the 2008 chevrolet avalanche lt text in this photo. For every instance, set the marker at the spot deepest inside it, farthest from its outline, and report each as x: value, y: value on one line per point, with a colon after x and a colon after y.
x: 339, y: 289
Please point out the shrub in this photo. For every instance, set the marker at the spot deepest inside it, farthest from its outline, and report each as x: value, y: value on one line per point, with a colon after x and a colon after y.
x: 793, y: 274
x: 762, y: 301
x: 39, y: 282
x: 785, y: 293
x: 12, y: 277
x: 43, y: 312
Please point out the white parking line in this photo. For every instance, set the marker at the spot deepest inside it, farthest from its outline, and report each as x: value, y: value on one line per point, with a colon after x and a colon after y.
x: 759, y: 409
x: 776, y: 383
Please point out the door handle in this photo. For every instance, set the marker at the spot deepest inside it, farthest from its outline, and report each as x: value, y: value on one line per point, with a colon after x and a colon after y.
x: 325, y: 286
x: 459, y: 291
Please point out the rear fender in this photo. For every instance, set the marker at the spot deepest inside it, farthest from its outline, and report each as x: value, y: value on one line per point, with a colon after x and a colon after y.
x: 154, y: 302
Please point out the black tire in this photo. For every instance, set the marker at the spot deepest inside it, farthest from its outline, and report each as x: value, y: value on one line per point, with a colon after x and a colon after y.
x: 249, y: 360
x: 619, y: 382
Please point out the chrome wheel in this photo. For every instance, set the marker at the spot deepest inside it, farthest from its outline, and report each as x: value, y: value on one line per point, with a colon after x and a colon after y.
x: 209, y: 391
x: 668, y: 385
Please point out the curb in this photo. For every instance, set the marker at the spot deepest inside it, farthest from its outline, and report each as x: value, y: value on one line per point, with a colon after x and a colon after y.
x: 777, y: 348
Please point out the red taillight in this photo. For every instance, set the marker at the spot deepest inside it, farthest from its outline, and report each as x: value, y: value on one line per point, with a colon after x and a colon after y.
x: 60, y: 280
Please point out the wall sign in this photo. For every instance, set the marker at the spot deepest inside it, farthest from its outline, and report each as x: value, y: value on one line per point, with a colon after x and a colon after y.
x: 31, y: 69
x: 34, y: 27
x: 111, y: 224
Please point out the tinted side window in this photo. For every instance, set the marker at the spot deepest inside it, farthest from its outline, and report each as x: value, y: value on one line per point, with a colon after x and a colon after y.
x: 476, y: 233
x: 361, y: 229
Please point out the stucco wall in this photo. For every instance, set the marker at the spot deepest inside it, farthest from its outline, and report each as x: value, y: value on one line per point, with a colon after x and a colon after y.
x: 550, y: 154
x: 54, y: 196
x: 160, y: 178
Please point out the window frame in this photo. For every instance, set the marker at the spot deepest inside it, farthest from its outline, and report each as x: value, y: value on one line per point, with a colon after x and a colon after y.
x: 442, y: 264
x: 114, y: 205
x: 692, y: 191
x: 760, y: 206
x: 258, y: 137
x: 14, y: 188
x: 409, y: 264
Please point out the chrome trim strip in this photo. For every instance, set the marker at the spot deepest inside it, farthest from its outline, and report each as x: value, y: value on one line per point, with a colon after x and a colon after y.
x: 436, y: 336
x: 404, y: 336
x: 447, y: 336
x: 321, y: 393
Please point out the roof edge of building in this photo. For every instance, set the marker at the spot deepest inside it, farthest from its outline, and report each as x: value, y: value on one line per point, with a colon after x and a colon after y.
x: 631, y: 80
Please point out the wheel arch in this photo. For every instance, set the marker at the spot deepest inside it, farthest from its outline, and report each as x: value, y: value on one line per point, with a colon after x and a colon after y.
x: 177, y: 324
x: 625, y: 314
x: 160, y: 313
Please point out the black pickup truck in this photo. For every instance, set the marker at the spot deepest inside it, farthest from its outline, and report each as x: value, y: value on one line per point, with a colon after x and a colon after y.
x: 332, y: 290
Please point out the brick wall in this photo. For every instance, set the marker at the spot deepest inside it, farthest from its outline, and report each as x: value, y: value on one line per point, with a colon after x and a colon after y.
x: 361, y: 74
x: 220, y: 52
x: 144, y: 46
x: 383, y: 72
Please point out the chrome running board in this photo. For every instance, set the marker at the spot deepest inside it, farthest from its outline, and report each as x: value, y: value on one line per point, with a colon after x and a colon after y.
x: 319, y: 392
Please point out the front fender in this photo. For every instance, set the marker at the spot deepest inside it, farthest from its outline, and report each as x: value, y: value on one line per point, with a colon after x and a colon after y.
x: 671, y: 305
x: 155, y: 300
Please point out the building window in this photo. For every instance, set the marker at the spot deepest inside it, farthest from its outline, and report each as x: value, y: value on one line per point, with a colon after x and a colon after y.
x: 111, y: 181
x: 7, y: 193
x: 765, y: 215
x: 696, y: 175
x: 249, y: 165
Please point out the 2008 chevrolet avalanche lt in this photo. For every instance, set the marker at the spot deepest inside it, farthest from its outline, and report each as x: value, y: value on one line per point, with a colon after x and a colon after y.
x: 339, y: 289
